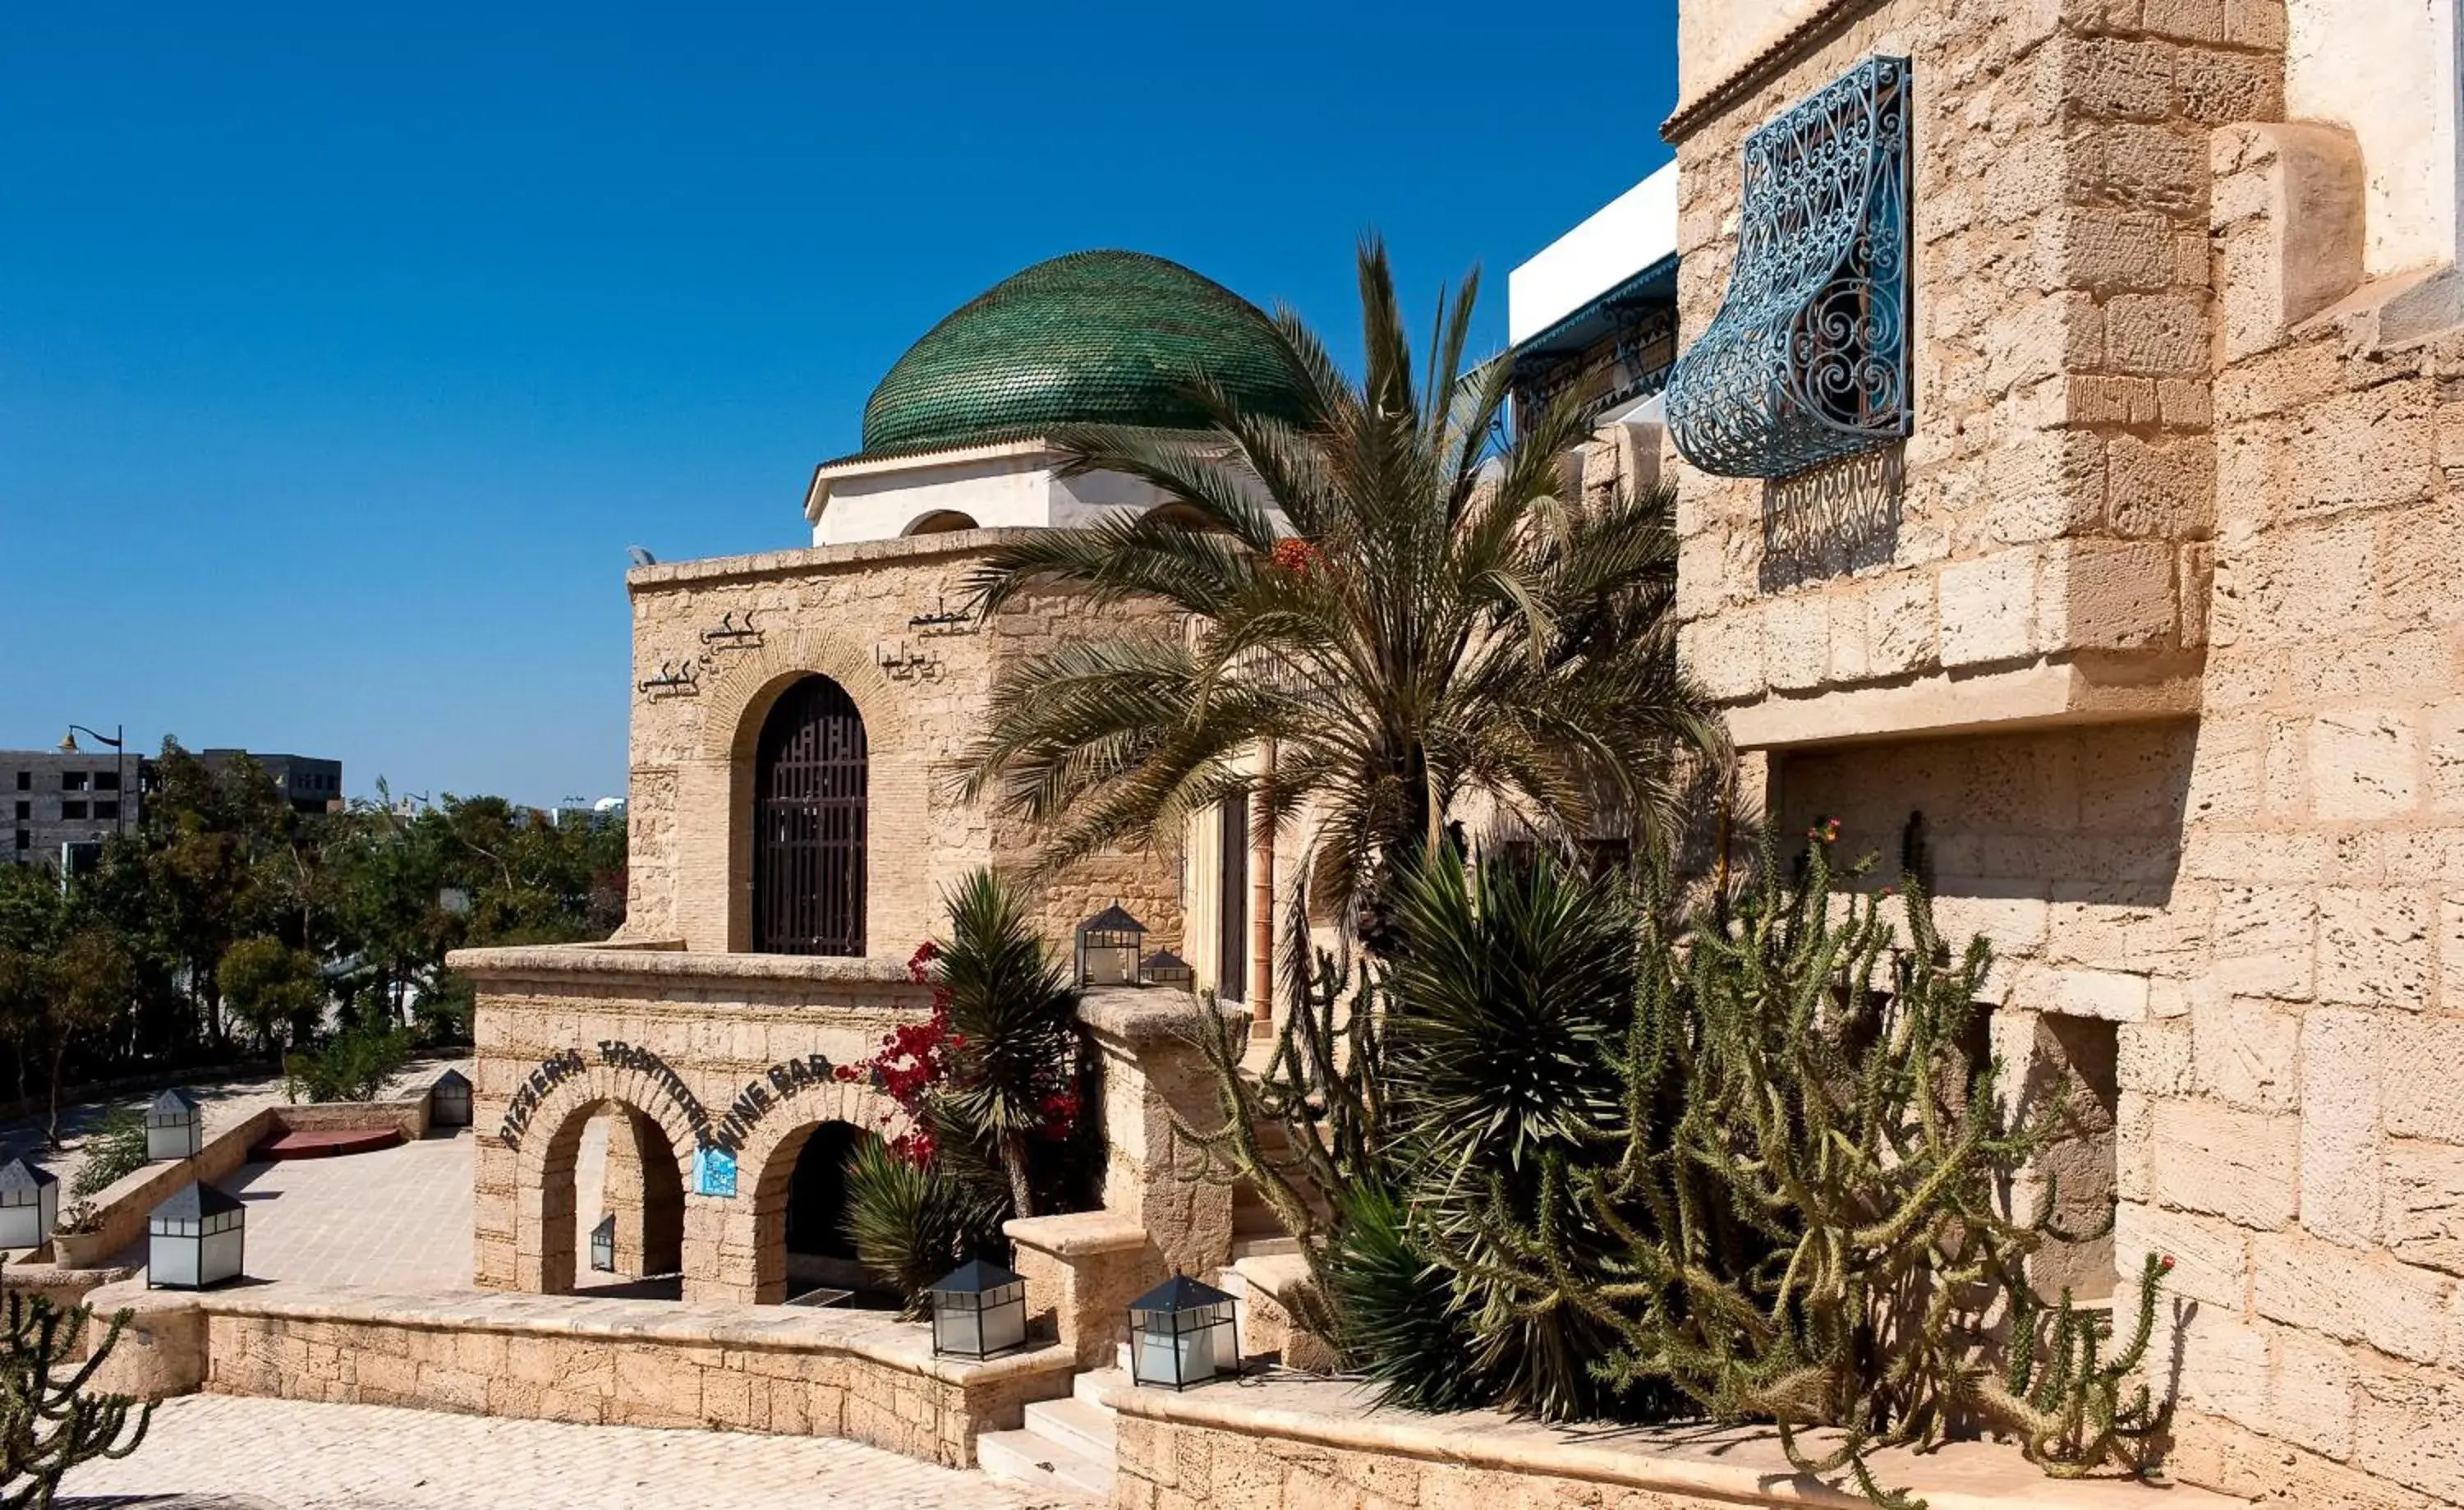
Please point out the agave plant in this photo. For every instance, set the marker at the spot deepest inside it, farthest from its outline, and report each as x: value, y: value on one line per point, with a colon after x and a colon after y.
x: 912, y: 1223
x: 1405, y: 610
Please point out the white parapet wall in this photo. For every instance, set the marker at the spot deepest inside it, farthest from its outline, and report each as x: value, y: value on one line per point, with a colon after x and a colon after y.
x: 1631, y: 232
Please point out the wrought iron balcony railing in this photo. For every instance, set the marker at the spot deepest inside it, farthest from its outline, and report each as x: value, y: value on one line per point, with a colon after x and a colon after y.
x: 1808, y: 359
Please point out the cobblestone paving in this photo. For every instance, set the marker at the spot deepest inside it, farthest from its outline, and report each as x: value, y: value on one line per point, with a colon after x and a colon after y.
x: 225, y: 1452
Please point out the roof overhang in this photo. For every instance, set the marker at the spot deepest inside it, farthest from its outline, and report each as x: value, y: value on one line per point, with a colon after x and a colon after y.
x: 1595, y: 318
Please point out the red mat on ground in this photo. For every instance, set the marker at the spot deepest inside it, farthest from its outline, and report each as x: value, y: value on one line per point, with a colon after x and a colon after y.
x: 327, y: 1142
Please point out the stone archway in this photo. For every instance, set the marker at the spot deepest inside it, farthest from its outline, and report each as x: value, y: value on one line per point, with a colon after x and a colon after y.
x: 544, y: 1196
x: 755, y: 1223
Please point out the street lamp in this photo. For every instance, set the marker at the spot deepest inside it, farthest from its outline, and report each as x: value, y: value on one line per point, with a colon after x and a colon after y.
x: 117, y: 740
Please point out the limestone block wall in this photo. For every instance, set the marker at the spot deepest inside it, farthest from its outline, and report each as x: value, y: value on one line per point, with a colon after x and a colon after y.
x: 2308, y: 1133
x: 1290, y: 1444
x: 849, y: 612
x: 633, y: 1362
x: 2037, y: 550
x: 566, y: 1033
x: 2145, y: 331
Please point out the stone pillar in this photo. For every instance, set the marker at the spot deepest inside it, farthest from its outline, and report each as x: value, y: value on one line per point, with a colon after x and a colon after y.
x: 1154, y: 1068
x: 1082, y: 1270
x: 160, y: 1352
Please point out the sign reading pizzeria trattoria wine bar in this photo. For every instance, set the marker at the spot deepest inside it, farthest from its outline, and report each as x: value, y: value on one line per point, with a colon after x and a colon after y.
x: 728, y: 1130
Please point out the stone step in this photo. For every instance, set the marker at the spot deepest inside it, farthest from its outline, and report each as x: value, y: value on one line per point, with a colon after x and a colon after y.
x: 1026, y: 1456
x: 1090, y: 1385
x: 1264, y: 1245
x: 1075, y: 1424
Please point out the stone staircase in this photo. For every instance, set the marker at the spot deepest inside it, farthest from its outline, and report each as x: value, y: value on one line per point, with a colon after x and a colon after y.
x: 1066, y: 1446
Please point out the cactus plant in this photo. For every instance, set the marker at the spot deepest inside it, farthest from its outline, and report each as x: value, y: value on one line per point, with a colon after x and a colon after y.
x: 50, y: 1420
x: 1752, y: 1167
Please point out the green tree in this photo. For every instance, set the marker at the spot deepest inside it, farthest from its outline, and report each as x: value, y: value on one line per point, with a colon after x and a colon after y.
x: 273, y: 988
x: 89, y: 981
x: 218, y: 848
x: 1405, y: 611
x: 31, y: 912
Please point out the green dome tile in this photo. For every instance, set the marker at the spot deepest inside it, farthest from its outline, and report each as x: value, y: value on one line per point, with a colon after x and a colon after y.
x: 1089, y: 338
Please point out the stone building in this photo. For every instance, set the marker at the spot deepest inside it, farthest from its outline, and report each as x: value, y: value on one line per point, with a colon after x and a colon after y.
x: 797, y: 719
x: 2062, y: 403
x: 2070, y: 462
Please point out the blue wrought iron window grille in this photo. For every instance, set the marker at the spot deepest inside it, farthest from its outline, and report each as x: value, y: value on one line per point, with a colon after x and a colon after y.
x: 1807, y: 360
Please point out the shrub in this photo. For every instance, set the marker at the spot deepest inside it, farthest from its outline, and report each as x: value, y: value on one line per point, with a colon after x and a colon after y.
x: 991, y: 1087
x: 116, y: 1148
x: 352, y: 1065
x: 1746, y: 1163
x: 912, y: 1223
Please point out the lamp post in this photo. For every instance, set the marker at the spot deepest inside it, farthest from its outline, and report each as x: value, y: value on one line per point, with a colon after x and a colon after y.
x: 117, y: 740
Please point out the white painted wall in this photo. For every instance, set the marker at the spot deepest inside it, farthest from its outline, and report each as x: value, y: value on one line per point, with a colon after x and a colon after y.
x: 995, y: 491
x: 2386, y: 70
x: 1634, y: 231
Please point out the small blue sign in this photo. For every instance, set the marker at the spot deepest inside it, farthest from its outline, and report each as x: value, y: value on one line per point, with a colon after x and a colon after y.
x: 715, y: 1172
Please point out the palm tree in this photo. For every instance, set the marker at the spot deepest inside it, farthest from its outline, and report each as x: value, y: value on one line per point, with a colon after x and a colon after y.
x: 1404, y: 610
x: 1014, y: 1013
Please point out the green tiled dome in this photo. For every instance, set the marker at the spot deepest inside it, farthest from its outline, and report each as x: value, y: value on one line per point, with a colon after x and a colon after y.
x: 1091, y: 337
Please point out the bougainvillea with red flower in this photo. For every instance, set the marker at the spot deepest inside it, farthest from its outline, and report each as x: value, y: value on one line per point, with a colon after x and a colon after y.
x: 920, y: 1061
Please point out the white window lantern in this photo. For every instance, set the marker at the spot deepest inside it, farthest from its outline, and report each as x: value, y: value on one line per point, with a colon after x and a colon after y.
x: 979, y: 1311
x: 1163, y: 967
x: 1109, y: 946
x: 174, y: 1127
x: 29, y: 1203
x: 193, y: 1240
x: 603, y: 1244
x: 449, y: 1101
x: 1181, y: 1333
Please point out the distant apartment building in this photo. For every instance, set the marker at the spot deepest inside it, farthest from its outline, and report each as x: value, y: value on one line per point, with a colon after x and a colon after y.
x: 308, y: 783
x: 60, y: 801
x: 64, y: 803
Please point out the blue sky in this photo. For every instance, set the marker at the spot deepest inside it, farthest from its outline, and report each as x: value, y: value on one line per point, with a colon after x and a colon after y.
x: 345, y: 348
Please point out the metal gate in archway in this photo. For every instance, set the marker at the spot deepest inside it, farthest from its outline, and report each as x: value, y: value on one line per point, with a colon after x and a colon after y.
x: 809, y: 816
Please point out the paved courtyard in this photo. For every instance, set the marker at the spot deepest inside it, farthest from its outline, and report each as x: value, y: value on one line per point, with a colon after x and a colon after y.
x: 288, y: 1454
x: 398, y: 1219
x: 225, y: 1103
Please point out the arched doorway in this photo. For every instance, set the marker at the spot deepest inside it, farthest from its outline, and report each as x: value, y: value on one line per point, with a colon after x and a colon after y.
x: 809, y: 823
x: 802, y: 1251
x: 943, y: 521
x: 608, y: 1162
